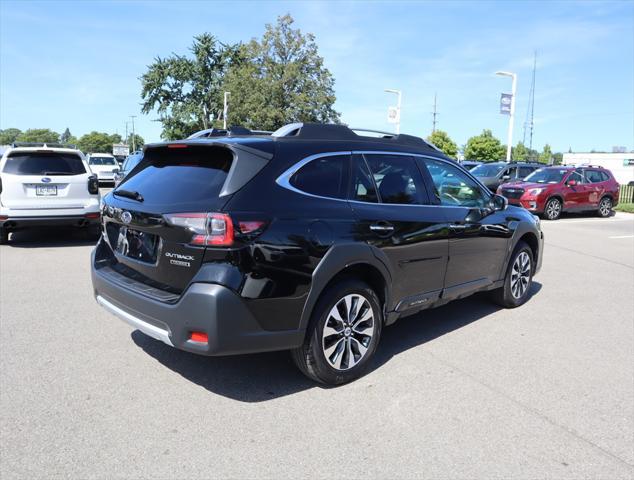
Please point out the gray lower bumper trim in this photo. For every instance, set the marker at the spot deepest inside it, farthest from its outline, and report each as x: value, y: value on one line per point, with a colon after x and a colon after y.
x: 148, y: 329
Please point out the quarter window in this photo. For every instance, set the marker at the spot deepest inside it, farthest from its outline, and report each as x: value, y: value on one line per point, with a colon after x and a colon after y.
x: 397, y: 178
x: 453, y: 187
x: 594, y: 176
x: 325, y: 177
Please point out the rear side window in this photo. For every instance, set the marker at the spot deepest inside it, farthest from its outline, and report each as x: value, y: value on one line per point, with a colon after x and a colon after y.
x: 325, y: 177
x: 605, y: 176
x: 398, y: 179
x: 180, y: 176
x: 595, y: 176
x: 524, y: 172
x: 44, y: 163
x: 363, y: 189
x: 131, y: 162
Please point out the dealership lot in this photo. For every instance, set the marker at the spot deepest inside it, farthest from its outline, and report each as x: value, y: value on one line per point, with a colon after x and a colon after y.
x: 463, y: 391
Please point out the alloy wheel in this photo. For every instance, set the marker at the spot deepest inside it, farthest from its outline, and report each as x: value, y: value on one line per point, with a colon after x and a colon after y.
x: 520, y: 275
x: 605, y: 206
x: 553, y: 209
x: 348, y: 331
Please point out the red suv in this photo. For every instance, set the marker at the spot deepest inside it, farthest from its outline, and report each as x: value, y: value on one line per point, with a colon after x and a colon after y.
x: 552, y: 190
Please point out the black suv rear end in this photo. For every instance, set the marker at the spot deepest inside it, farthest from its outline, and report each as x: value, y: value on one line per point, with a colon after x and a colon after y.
x: 309, y: 240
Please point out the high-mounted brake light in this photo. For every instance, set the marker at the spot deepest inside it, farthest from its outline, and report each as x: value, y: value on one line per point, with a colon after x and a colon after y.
x: 212, y: 229
x: 177, y: 145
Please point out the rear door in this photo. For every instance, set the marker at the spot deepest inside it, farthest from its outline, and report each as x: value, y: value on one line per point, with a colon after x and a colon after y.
x: 576, y: 196
x: 44, y: 180
x: 392, y: 207
x: 596, y: 185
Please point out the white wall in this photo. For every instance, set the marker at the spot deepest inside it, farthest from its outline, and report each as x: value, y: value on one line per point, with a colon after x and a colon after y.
x: 614, y: 162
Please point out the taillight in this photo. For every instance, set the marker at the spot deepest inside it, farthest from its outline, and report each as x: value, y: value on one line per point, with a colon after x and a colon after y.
x: 214, y: 229
x: 93, y: 185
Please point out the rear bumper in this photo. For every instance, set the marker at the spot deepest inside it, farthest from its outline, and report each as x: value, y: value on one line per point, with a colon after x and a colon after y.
x: 18, y: 223
x: 203, y: 307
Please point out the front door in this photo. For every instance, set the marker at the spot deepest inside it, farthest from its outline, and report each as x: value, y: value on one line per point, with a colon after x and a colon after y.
x: 390, y: 202
x: 478, y: 237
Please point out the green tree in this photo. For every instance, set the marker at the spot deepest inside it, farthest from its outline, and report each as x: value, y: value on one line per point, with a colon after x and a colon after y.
x: 98, y: 142
x: 443, y: 142
x: 520, y: 153
x: 44, y: 135
x: 280, y: 79
x: 558, y: 158
x: 64, y: 138
x: 546, y: 154
x: 138, y: 142
x: 186, y: 92
x: 9, y: 135
x: 484, y: 147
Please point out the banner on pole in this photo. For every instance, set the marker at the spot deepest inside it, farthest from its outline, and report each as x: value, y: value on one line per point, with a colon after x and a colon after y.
x: 505, y: 103
x: 393, y: 115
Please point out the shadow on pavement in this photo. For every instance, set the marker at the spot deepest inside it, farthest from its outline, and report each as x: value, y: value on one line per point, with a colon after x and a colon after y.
x: 265, y: 376
x: 42, y: 237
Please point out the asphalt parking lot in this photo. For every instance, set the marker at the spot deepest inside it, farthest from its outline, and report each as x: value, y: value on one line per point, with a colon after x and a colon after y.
x: 463, y: 391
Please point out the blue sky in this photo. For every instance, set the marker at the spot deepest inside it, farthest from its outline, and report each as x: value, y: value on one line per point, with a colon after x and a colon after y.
x: 77, y: 64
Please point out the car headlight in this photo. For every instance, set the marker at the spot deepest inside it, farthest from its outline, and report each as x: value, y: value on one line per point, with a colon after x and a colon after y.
x: 535, y: 191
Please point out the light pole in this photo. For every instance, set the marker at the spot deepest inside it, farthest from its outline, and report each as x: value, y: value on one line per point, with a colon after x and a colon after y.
x: 133, y: 134
x: 225, y: 111
x: 512, y: 113
x: 398, y: 108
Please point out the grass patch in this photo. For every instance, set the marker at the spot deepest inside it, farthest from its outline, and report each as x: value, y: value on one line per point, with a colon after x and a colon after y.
x: 625, y: 207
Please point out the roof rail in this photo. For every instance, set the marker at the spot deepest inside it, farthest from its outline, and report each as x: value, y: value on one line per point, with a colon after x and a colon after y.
x: 44, y: 144
x: 232, y: 131
x: 331, y: 131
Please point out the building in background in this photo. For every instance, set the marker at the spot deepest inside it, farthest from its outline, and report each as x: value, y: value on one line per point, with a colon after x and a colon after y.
x: 620, y: 164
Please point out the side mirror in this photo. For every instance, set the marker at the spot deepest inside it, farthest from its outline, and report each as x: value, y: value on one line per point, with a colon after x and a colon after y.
x: 571, y: 183
x: 498, y: 202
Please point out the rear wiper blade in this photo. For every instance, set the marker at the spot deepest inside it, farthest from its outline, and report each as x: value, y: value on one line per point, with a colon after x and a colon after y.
x: 128, y: 194
x: 54, y: 173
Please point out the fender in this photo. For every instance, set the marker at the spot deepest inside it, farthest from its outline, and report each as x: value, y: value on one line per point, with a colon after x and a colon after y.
x: 338, y: 258
x: 522, y: 228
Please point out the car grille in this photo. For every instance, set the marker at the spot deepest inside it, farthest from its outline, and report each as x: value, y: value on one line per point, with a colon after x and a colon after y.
x: 513, y: 193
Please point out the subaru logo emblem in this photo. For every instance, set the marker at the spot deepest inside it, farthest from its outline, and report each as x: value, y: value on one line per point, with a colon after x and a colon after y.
x: 46, y: 180
x: 126, y: 217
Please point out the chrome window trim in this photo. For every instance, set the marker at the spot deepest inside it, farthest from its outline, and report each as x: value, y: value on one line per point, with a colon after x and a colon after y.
x: 284, y: 179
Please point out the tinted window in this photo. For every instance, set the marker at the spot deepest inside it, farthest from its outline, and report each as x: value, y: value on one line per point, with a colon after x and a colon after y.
x: 176, y: 177
x: 510, y: 172
x: 594, y: 176
x: 131, y: 162
x: 102, y: 161
x: 524, y: 172
x: 547, y: 175
x: 397, y: 178
x: 324, y: 177
x: 363, y: 188
x: 605, y: 176
x: 44, y: 164
x: 577, y: 176
x: 453, y: 186
x: 485, y: 170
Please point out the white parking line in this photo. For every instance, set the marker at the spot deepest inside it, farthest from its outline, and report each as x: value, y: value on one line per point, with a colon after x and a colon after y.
x: 622, y: 236
x: 593, y: 220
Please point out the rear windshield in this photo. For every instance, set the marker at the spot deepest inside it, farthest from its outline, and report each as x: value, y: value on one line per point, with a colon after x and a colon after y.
x: 44, y: 163
x: 546, y: 175
x: 102, y: 161
x: 485, y: 170
x: 176, y: 177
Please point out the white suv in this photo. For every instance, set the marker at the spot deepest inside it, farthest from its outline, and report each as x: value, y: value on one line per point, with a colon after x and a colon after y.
x: 43, y: 185
x: 104, y: 166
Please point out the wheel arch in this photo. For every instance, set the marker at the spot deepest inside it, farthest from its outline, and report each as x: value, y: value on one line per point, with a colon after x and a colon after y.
x: 531, y: 240
x: 341, y: 261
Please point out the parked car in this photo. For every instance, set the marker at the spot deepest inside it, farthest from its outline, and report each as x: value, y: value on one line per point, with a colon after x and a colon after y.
x: 46, y: 185
x: 550, y: 191
x: 470, y: 164
x: 312, y: 239
x: 495, y: 173
x: 129, y: 163
x: 104, y: 166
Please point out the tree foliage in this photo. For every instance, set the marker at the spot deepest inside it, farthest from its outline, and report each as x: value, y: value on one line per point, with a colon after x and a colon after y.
x: 444, y: 142
x: 546, y: 155
x: 44, y: 135
x: 186, y: 92
x: 484, y: 147
x: 138, y: 142
x: 9, y: 135
x: 280, y: 79
x: 98, y: 142
x: 520, y: 153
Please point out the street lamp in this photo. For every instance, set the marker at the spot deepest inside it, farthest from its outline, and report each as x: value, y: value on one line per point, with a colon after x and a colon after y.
x: 398, y: 109
x: 512, y: 112
x: 225, y: 111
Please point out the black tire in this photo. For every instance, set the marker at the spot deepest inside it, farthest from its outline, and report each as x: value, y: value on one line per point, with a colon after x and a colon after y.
x: 552, y: 210
x: 605, y: 207
x: 507, y: 296
x: 311, y: 358
x: 4, y: 236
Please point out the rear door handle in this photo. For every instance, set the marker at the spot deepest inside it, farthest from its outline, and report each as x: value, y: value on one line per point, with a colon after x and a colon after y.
x: 382, y: 228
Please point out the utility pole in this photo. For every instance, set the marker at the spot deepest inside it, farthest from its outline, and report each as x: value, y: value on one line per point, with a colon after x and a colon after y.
x: 126, y: 133
x: 434, y: 115
x: 530, y: 112
x: 133, y: 134
x: 225, y: 110
x: 512, y: 112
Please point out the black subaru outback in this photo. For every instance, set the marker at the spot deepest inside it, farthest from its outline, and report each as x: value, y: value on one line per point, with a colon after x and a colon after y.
x: 311, y: 239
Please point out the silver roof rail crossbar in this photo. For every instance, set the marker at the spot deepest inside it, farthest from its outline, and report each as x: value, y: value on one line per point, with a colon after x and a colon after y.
x: 43, y: 144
